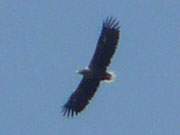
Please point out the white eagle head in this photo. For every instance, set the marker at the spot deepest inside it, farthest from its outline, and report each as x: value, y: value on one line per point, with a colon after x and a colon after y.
x: 85, y: 72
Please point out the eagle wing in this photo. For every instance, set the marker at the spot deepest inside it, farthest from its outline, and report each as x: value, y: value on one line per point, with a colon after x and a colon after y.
x: 105, y: 49
x: 81, y: 96
x: 106, y: 45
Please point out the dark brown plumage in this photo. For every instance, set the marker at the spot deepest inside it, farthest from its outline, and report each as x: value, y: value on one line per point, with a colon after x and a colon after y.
x: 97, y: 69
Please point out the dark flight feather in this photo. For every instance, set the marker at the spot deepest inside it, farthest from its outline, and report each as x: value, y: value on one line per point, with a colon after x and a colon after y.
x: 81, y: 96
x: 106, y: 45
x: 105, y: 49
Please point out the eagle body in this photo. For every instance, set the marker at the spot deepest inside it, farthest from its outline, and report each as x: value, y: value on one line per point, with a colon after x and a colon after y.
x: 97, y: 69
x: 91, y: 74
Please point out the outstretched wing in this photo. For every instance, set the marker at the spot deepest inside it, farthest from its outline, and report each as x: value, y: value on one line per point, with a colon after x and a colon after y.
x: 80, y: 98
x: 106, y: 45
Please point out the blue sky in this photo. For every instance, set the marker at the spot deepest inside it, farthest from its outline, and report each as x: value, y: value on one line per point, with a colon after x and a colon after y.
x: 43, y: 43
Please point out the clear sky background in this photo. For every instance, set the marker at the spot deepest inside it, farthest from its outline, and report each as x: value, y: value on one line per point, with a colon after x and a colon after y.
x: 43, y: 43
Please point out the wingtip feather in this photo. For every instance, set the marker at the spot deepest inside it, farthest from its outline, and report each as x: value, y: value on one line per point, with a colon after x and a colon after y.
x: 68, y: 111
x: 112, y: 23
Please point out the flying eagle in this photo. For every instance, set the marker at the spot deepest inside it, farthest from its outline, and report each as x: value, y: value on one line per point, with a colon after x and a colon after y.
x: 97, y: 69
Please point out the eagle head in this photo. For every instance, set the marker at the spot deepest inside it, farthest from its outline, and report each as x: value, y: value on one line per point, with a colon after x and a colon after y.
x: 86, y: 72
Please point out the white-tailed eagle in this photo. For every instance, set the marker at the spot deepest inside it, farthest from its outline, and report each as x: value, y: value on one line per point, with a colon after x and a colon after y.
x: 97, y: 69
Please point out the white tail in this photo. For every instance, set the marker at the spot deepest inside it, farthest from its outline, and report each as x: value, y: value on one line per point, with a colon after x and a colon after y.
x: 113, y: 77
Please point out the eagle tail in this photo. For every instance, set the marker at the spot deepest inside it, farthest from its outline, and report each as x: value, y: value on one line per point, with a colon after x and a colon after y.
x: 109, y: 77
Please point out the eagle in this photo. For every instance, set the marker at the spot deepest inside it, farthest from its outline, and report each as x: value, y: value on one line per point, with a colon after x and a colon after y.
x: 96, y: 72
